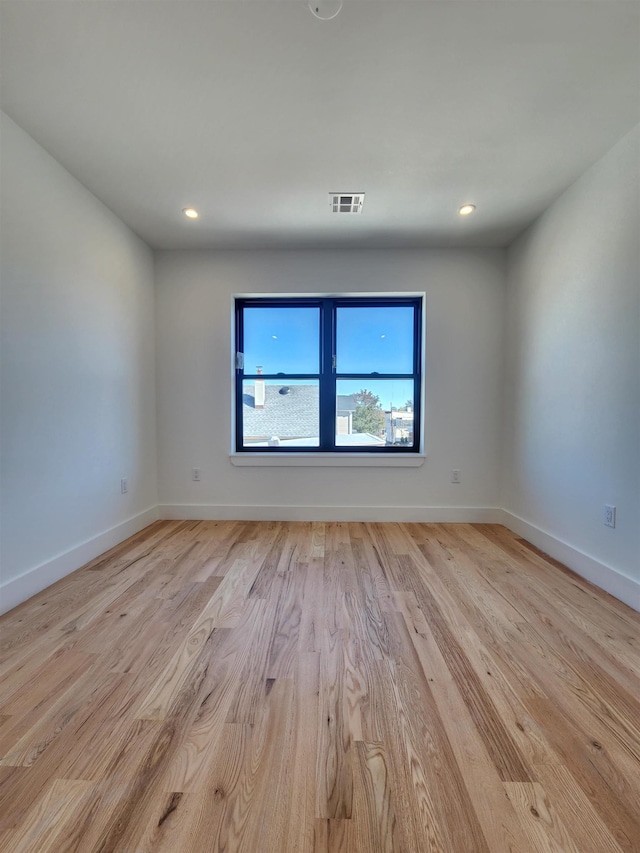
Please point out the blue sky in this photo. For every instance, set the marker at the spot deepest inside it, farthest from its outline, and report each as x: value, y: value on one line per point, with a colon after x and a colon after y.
x: 281, y: 340
x: 286, y: 340
x: 390, y: 391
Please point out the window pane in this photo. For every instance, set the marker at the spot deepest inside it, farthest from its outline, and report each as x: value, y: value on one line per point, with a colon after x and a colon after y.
x: 280, y: 415
x: 282, y: 340
x: 374, y: 413
x: 375, y: 339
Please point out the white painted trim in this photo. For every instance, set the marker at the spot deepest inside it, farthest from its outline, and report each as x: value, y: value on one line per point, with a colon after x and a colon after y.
x: 621, y: 586
x: 381, y: 293
x: 17, y: 590
x: 248, y: 512
x: 328, y: 460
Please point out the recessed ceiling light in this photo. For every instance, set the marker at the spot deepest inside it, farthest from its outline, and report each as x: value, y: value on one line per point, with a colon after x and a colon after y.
x: 326, y: 10
x: 190, y: 212
x: 466, y: 209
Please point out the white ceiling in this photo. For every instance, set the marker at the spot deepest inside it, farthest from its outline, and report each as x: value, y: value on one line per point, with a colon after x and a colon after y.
x: 253, y: 112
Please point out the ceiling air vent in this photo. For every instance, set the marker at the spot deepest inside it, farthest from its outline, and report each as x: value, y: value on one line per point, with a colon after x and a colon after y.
x: 346, y: 202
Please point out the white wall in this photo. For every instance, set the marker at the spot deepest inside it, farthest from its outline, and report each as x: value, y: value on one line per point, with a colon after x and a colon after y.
x: 465, y: 301
x: 77, y: 373
x: 78, y: 377
x: 572, y: 403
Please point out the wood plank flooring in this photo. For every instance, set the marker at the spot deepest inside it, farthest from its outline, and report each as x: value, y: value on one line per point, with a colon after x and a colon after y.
x: 311, y: 688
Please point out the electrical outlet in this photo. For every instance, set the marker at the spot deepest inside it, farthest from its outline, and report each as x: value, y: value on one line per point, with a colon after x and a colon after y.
x: 195, y: 475
x: 609, y: 515
x: 124, y: 486
x: 455, y: 476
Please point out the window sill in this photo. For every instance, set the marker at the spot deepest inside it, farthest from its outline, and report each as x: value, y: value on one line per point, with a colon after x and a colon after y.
x: 327, y: 460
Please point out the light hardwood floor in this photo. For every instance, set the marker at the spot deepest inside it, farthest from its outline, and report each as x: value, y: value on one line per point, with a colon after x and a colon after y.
x: 292, y: 687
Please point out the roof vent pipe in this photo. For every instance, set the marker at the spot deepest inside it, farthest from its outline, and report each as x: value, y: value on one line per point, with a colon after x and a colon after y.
x: 259, y: 391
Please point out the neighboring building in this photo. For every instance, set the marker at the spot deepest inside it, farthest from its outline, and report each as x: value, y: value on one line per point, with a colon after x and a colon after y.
x: 345, y: 407
x: 398, y: 426
x: 282, y: 412
x: 288, y: 415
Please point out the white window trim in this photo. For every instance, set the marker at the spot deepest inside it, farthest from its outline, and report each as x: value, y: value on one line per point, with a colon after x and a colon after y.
x: 327, y: 460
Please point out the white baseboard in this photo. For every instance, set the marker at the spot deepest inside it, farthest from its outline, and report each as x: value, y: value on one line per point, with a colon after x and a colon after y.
x: 17, y: 590
x: 248, y: 512
x: 621, y: 586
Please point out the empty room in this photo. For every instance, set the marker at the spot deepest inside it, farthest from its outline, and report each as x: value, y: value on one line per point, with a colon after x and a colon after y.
x: 320, y: 426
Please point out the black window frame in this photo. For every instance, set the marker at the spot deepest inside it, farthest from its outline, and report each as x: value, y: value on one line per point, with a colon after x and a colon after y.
x: 328, y: 376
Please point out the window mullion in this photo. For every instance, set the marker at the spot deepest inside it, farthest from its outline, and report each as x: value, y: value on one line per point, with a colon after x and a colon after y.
x: 327, y: 377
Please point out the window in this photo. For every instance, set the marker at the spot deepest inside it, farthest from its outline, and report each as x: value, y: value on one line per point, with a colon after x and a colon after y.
x: 326, y: 375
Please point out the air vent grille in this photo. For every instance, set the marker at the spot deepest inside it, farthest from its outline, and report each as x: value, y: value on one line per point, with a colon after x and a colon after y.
x: 346, y: 202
